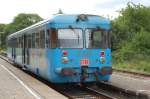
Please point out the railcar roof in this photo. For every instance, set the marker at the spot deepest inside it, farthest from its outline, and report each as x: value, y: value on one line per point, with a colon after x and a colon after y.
x: 63, y: 19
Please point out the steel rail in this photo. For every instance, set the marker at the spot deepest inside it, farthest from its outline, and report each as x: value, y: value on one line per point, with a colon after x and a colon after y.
x: 121, y: 92
x: 106, y: 96
x: 82, y: 92
x: 132, y: 72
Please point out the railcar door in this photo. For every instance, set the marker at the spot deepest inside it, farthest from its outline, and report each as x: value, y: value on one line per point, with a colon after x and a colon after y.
x: 13, y: 49
x: 13, y: 53
x: 23, y: 49
x: 26, y: 50
x: 27, y: 46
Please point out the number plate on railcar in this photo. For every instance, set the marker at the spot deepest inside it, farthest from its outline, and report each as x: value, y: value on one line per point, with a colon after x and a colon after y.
x: 84, y: 62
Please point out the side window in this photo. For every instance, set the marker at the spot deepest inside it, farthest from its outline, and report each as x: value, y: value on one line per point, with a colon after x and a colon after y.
x: 18, y: 42
x: 53, y: 38
x: 33, y: 40
x: 28, y: 41
x: 19, y: 45
x: 14, y: 42
x: 42, y: 39
x: 37, y: 40
x: 47, y: 39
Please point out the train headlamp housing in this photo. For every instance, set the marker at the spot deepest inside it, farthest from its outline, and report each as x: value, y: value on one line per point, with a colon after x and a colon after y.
x: 102, y: 54
x: 65, y: 53
x: 64, y: 58
x: 102, y: 57
x: 102, y: 60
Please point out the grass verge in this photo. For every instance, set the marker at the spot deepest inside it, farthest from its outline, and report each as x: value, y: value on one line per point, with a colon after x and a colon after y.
x: 142, y: 66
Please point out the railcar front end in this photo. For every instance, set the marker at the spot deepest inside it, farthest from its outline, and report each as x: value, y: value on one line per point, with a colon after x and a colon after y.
x: 79, y: 53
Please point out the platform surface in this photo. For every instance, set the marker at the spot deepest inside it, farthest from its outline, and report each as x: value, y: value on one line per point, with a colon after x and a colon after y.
x: 16, y: 84
x: 136, y: 84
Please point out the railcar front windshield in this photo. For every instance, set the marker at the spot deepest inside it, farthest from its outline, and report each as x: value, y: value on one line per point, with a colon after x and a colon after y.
x: 70, y: 38
x: 97, y: 38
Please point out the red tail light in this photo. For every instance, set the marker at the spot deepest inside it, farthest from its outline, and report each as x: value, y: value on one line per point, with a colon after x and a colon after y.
x: 102, y: 54
x: 65, y: 53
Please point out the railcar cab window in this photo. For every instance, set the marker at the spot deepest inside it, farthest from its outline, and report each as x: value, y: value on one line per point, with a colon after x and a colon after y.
x: 52, y: 38
x: 70, y: 38
x: 96, y: 38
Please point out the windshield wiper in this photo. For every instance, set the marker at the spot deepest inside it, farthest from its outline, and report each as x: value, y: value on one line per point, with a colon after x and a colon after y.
x: 77, y: 34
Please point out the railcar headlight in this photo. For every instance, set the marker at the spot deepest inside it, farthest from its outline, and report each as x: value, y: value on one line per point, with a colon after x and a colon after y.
x: 64, y: 57
x: 64, y: 60
x: 102, y: 57
x: 102, y: 60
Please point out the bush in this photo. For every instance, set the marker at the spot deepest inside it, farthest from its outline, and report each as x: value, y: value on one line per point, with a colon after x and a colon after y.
x: 136, y: 49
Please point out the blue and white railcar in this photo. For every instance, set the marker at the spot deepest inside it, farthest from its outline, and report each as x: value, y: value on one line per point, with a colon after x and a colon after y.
x: 64, y: 49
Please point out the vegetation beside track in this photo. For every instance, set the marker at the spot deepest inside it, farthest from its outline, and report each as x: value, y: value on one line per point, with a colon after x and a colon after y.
x: 141, y: 66
x: 130, y: 39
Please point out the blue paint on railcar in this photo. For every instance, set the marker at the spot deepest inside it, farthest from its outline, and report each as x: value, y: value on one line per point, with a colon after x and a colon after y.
x: 54, y: 57
x: 64, y: 21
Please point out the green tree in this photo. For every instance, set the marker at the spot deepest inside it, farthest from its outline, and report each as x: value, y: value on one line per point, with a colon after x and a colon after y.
x: 2, y: 27
x: 131, y: 33
x: 2, y: 33
x: 19, y: 22
x: 22, y: 21
x: 132, y: 20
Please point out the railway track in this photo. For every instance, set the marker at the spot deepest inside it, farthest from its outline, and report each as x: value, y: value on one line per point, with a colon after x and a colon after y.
x: 78, y: 92
x: 119, y: 93
x: 101, y: 90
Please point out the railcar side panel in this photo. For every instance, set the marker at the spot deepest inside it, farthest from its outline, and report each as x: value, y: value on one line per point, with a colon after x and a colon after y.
x: 38, y: 62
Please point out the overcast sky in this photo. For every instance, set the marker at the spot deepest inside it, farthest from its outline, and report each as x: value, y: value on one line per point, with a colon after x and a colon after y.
x: 46, y: 8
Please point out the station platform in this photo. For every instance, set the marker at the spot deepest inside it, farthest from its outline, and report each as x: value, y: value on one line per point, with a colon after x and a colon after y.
x: 16, y: 84
x: 135, y: 84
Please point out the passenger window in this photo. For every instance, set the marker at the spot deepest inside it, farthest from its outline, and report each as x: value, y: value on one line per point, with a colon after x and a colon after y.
x: 48, y: 39
x: 29, y: 41
x: 37, y: 40
x: 53, y: 38
x: 42, y: 39
x: 26, y: 41
x: 19, y: 42
x: 33, y: 40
